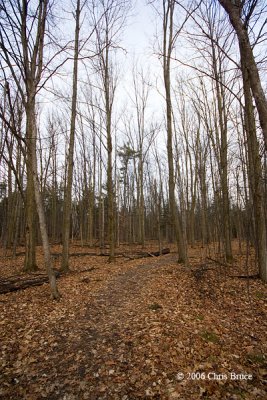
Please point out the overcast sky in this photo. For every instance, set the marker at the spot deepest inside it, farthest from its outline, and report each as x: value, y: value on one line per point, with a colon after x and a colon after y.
x: 140, y: 29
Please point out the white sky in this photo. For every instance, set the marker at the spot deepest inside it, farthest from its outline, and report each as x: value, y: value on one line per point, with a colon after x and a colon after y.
x: 140, y: 29
x: 138, y: 40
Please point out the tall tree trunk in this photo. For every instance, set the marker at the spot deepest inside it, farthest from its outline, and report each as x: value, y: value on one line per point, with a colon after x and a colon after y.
x: 108, y: 110
x: 141, y: 206
x: 167, y: 49
x: 68, y: 189
x: 234, y: 11
x: 39, y: 204
x: 111, y: 236
x: 255, y: 178
x: 223, y: 153
x: 10, y: 204
x: 204, y: 207
x: 30, y: 229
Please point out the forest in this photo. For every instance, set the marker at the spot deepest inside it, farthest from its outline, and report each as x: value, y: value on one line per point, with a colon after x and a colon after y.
x: 133, y: 199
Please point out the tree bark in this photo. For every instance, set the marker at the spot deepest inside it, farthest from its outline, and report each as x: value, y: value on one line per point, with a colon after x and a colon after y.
x: 255, y: 177
x: 38, y: 199
x: 167, y: 49
x: 108, y: 107
x: 234, y: 10
x: 30, y: 229
x: 223, y: 167
x: 68, y: 188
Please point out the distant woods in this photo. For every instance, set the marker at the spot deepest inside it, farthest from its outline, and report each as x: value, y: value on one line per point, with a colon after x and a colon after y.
x: 82, y: 153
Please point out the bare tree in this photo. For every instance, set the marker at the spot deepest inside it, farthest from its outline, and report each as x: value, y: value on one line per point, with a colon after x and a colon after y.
x: 23, y: 55
x: 68, y: 187
x: 255, y: 177
x: 240, y: 13
x: 109, y: 18
x: 169, y: 37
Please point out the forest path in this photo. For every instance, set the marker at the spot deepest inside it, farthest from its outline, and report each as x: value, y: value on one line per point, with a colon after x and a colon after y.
x: 121, y: 320
x: 125, y: 332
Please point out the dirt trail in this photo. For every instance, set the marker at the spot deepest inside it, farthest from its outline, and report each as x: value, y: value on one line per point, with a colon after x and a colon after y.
x: 119, y: 310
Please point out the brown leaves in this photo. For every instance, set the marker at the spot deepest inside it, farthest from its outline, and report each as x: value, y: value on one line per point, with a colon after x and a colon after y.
x: 126, y: 331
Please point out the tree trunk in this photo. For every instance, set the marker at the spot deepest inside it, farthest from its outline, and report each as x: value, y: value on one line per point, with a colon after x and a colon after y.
x: 68, y: 189
x: 234, y: 10
x: 173, y: 212
x: 108, y: 109
x: 30, y: 229
x: 111, y: 236
x: 32, y: 134
x: 141, y: 211
x: 255, y: 177
x: 223, y: 162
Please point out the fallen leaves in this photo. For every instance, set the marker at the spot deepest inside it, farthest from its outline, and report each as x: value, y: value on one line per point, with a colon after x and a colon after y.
x: 125, y: 331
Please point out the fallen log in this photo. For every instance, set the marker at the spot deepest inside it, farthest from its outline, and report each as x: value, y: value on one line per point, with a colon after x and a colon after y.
x: 15, y: 283
x: 255, y: 276
x: 57, y: 255
x: 18, y: 283
x: 144, y: 254
x: 223, y: 264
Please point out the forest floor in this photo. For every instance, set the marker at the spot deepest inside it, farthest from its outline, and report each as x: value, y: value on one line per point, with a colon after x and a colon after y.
x: 138, y: 329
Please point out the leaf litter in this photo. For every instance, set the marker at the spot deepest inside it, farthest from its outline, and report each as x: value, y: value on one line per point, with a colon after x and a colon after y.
x: 129, y: 330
